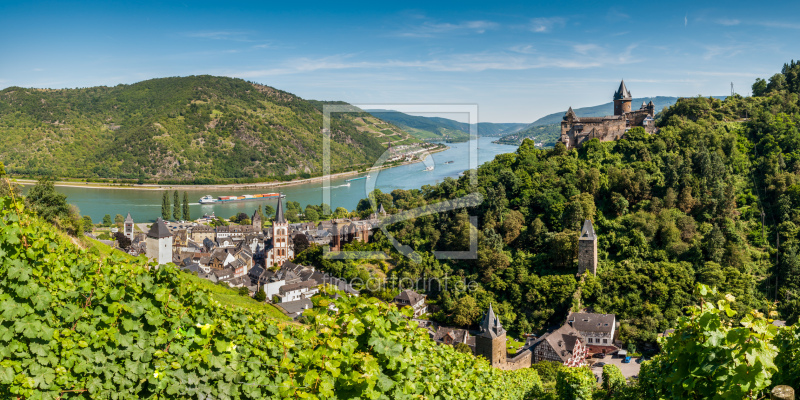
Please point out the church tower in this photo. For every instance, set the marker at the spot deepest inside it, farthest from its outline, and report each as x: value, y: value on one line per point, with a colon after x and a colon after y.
x: 280, y: 237
x: 587, y: 249
x: 622, y: 100
x: 491, y: 341
x: 128, y: 227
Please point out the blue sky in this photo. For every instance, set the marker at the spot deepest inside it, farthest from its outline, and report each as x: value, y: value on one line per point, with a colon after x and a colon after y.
x: 518, y: 62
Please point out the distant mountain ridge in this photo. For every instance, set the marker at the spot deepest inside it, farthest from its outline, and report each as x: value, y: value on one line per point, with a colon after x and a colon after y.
x: 427, y: 128
x: 195, y: 129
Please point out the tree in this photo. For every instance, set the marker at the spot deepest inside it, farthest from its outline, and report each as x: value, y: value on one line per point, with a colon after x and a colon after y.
x: 176, y: 206
x: 311, y: 214
x: 122, y: 241
x: 119, y: 219
x: 575, y: 383
x: 87, y: 222
x: 268, y: 212
x: 466, y: 311
x: 340, y: 212
x: 165, y: 206
x: 612, y: 379
x: 244, y: 291
x: 107, y: 220
x: 47, y: 202
x: 300, y: 243
x: 260, y: 295
x: 463, y: 348
x: 759, y: 87
x: 186, y: 216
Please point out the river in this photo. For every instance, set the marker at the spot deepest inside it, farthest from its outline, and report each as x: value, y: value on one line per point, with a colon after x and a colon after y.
x: 145, y: 205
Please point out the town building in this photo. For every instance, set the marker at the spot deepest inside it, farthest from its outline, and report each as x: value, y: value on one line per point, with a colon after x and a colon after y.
x: 557, y: 346
x: 597, y: 330
x: 202, y: 232
x: 577, y: 130
x: 410, y: 298
x: 159, y: 243
x: 297, y: 291
x: 587, y: 249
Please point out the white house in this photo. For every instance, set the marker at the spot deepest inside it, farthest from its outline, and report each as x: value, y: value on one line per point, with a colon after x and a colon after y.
x: 159, y: 243
x: 297, y: 291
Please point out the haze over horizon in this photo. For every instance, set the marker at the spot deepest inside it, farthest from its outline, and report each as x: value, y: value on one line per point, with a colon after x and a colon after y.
x: 518, y: 62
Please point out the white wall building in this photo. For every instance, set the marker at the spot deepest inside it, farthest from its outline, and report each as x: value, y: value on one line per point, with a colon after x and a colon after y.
x: 159, y: 243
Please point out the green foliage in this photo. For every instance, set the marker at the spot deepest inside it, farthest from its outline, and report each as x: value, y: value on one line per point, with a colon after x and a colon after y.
x: 176, y: 206
x: 75, y: 325
x: 200, y: 129
x: 575, y: 383
x: 613, y: 381
x: 46, y: 202
x: 165, y: 206
x: 711, y: 355
x: 107, y: 220
x: 260, y: 295
x: 185, y: 209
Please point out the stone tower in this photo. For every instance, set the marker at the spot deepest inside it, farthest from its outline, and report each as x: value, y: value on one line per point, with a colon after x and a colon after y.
x: 159, y: 243
x: 128, y: 227
x: 491, y: 341
x: 280, y: 236
x: 256, y: 220
x: 587, y: 249
x: 622, y: 100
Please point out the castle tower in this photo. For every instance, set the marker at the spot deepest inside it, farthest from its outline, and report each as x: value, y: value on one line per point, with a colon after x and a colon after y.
x: 159, y: 243
x: 128, y: 227
x: 587, y: 249
x: 491, y: 341
x: 622, y: 100
x: 256, y: 220
x: 280, y: 236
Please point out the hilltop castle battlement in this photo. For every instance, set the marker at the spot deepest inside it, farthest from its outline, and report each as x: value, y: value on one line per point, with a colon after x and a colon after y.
x: 575, y: 130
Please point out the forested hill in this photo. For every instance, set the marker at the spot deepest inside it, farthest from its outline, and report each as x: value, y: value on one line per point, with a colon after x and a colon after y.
x: 196, y: 128
x: 443, y: 128
x: 671, y: 210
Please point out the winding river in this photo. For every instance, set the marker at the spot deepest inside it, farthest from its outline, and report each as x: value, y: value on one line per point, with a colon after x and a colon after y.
x: 145, y: 205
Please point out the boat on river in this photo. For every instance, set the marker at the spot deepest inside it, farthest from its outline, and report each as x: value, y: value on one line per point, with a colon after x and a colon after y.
x: 208, y: 199
x: 355, y: 179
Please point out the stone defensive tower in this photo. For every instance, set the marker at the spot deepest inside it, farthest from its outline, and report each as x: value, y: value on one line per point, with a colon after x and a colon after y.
x: 622, y: 100
x: 587, y: 249
x: 491, y: 341
x: 128, y: 228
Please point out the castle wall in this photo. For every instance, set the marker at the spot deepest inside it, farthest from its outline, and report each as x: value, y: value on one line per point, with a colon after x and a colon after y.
x: 519, y: 361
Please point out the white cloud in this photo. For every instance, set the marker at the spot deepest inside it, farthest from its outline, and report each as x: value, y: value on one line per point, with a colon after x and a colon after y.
x: 430, y: 29
x: 728, y: 21
x: 523, y: 49
x: 543, y: 25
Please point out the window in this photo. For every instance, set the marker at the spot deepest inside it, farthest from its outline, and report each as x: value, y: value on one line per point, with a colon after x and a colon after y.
x: 605, y: 340
x: 590, y: 340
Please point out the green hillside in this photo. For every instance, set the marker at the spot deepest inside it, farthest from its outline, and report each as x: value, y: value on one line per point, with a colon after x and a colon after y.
x: 190, y: 129
x: 75, y: 325
x: 439, y: 128
x: 671, y: 210
x: 547, y: 129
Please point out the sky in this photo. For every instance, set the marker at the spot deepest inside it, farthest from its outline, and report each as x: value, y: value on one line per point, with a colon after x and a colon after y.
x: 516, y: 61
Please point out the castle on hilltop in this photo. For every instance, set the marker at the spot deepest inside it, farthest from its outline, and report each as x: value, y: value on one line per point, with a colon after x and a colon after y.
x: 575, y: 130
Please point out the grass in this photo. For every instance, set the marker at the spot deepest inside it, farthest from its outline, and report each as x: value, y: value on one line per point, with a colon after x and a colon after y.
x: 512, y: 345
x: 232, y: 297
x: 106, y: 250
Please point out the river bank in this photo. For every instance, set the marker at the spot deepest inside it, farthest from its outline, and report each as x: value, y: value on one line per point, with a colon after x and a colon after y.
x: 231, y: 186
